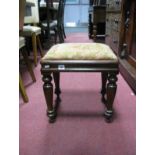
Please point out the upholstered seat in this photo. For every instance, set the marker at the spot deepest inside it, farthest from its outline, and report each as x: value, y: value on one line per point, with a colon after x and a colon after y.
x: 52, y: 24
x: 29, y: 30
x: 56, y: 5
x: 80, y: 51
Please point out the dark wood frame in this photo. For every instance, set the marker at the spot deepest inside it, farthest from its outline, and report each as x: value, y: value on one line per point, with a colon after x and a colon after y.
x: 108, y: 68
x: 127, y: 64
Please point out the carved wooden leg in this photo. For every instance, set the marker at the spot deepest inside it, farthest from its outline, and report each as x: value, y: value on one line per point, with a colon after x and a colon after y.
x: 94, y: 32
x: 48, y: 92
x: 111, y: 91
x: 104, y: 77
x: 56, y: 76
x: 34, y: 44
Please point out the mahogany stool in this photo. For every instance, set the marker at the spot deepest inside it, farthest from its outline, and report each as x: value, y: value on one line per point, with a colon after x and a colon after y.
x: 79, y: 57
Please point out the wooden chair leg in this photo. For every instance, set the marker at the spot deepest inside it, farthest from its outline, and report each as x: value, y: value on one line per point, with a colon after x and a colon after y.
x: 22, y: 89
x: 55, y: 36
x: 63, y: 29
x: 34, y: 44
x: 40, y: 47
x: 61, y: 39
x: 28, y: 64
x: 62, y: 34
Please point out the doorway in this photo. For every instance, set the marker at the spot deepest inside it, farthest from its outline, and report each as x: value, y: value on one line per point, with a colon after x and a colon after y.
x: 76, y: 13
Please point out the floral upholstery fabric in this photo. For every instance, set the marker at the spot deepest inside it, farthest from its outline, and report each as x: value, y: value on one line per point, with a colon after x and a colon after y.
x: 80, y: 51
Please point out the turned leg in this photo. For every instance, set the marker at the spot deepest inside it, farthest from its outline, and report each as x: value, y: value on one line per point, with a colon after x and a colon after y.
x: 56, y: 76
x: 34, y: 44
x: 48, y: 92
x: 94, y: 32
x: 104, y: 77
x: 111, y: 91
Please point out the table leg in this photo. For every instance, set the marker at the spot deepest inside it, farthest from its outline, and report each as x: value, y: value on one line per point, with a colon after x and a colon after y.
x: 111, y: 91
x: 104, y: 77
x: 48, y: 92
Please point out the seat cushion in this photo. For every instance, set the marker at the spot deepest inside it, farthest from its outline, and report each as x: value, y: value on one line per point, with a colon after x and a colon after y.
x: 53, y: 24
x: 80, y: 51
x: 21, y: 42
x: 56, y: 5
x: 28, y: 30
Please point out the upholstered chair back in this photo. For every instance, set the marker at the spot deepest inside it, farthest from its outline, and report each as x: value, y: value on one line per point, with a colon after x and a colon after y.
x: 34, y: 18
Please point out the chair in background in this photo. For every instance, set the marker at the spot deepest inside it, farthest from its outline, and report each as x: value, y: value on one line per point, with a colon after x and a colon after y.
x: 56, y: 5
x: 54, y: 25
x: 28, y: 64
x: 33, y: 31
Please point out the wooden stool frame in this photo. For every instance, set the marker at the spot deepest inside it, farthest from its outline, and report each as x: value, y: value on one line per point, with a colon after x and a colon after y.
x: 108, y: 69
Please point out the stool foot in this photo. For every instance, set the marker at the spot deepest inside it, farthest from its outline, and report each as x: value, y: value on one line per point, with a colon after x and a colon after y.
x: 108, y: 115
x: 52, y: 116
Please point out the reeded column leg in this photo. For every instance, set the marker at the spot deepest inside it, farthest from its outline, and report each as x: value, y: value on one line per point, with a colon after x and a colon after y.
x: 56, y: 76
x: 104, y: 77
x: 94, y: 32
x: 111, y: 91
x: 48, y: 92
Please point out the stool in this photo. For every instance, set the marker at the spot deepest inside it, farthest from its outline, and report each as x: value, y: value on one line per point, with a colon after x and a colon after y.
x: 80, y: 57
